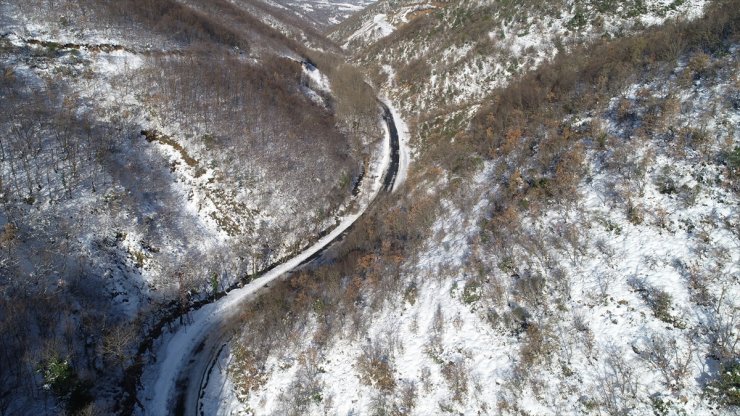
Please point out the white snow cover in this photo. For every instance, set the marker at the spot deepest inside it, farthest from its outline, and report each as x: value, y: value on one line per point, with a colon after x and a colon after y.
x: 462, y: 76
x: 317, y: 83
x: 604, y: 328
x: 372, y: 30
x: 323, y: 12
x: 219, y: 395
x: 319, y: 80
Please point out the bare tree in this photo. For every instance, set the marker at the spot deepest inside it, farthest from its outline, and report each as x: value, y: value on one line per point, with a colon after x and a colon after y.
x: 618, y: 383
x: 672, y: 361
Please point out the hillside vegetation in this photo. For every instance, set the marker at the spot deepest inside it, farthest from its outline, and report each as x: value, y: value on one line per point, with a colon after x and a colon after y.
x: 571, y: 249
x: 152, y: 154
x: 446, y: 58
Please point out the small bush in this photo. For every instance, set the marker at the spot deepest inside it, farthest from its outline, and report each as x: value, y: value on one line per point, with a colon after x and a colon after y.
x: 411, y: 292
x: 665, y: 182
x: 660, y: 302
x: 612, y: 227
x: 375, y: 368
x: 471, y: 292
x: 407, y: 399
x: 688, y: 195
x: 671, y: 361
x: 727, y: 387
x: 699, y: 65
x: 62, y: 380
x: 247, y: 370
x: 697, y: 138
x: 636, y: 9
x: 578, y: 21
x: 661, y: 407
x: 634, y: 214
x: 139, y: 258
x: 456, y: 376
x: 521, y: 316
x: 536, y: 348
x: 530, y: 287
x: 732, y: 160
x: 507, y: 265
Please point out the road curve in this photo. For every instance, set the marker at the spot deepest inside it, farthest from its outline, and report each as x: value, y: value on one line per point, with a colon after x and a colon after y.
x: 174, y: 383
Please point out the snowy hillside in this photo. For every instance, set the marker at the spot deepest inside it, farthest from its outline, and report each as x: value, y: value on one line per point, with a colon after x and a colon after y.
x: 582, y: 260
x: 151, y: 155
x: 446, y: 57
x: 324, y: 13
x: 463, y: 207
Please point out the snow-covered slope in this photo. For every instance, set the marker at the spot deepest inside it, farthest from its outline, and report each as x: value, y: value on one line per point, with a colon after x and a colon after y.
x: 588, y: 263
x: 324, y: 13
x: 151, y: 154
x: 446, y: 57
x: 565, y: 241
x: 161, y: 376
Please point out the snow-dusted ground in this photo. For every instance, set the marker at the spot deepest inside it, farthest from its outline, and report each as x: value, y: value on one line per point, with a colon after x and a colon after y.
x: 317, y: 84
x: 324, y: 13
x: 219, y: 395
x: 600, y: 345
x: 376, y: 26
x: 462, y: 68
x: 104, y: 241
x: 160, y: 376
x: 207, y: 192
x: 372, y: 30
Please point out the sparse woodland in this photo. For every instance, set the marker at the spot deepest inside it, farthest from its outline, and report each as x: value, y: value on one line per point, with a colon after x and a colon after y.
x: 577, y: 253
x: 566, y: 243
x: 152, y: 154
x: 448, y: 57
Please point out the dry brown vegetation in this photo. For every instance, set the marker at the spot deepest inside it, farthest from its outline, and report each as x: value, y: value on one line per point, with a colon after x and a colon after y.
x: 76, y: 175
x: 539, y: 161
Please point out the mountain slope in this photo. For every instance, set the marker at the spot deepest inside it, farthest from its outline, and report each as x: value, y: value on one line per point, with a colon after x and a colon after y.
x: 571, y: 250
x: 156, y: 153
x: 446, y: 58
